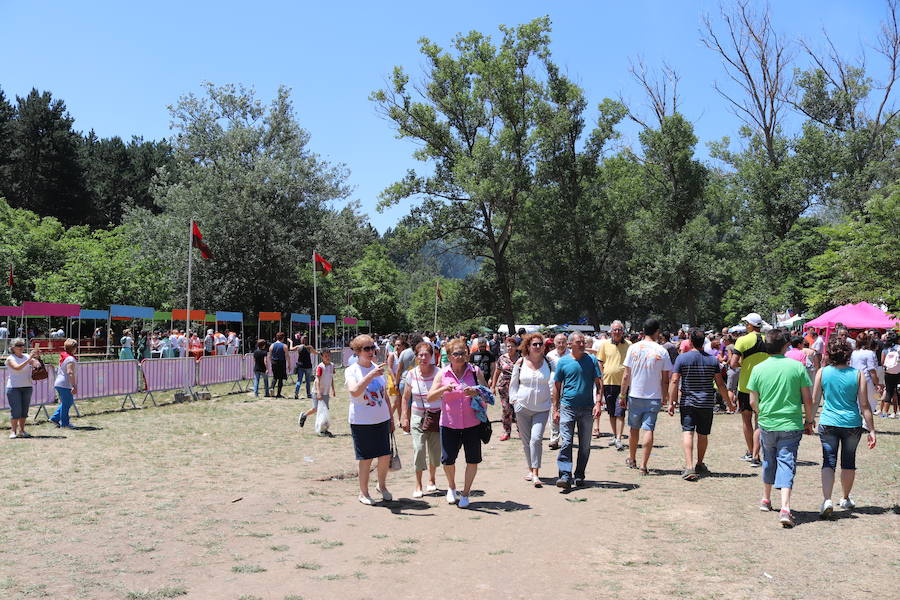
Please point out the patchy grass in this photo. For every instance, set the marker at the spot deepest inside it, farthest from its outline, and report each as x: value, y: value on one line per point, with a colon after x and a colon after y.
x: 248, y: 569
x: 309, y: 566
x: 279, y: 548
x: 159, y: 594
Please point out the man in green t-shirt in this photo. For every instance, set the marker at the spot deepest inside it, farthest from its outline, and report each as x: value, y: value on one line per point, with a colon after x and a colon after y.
x: 780, y: 394
x: 749, y: 351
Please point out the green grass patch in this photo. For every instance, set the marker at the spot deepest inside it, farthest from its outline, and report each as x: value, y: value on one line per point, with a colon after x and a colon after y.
x: 247, y: 569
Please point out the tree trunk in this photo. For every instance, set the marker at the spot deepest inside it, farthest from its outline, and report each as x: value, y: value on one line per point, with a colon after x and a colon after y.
x: 505, y: 289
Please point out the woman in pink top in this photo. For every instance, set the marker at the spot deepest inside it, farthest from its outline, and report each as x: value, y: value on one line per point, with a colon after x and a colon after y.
x: 454, y: 387
x: 796, y: 351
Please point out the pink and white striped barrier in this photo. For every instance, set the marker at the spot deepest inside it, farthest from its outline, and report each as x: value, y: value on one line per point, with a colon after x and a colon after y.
x: 167, y: 374
x: 220, y: 369
x: 102, y: 378
x: 248, y: 367
x: 42, y: 391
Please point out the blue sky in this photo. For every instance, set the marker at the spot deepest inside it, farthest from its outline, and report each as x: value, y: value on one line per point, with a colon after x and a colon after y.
x: 117, y: 65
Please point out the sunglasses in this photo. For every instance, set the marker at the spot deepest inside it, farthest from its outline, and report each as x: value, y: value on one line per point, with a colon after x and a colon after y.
x: 457, y: 354
x: 536, y: 345
x: 19, y: 346
x: 368, y: 348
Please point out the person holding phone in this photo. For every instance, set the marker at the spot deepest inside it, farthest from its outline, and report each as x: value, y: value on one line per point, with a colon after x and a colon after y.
x: 371, y: 417
x: 18, y: 386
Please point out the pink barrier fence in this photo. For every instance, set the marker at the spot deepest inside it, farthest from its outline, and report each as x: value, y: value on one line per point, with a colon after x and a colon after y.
x: 42, y: 391
x: 248, y: 365
x: 167, y: 374
x: 220, y: 369
x: 102, y: 378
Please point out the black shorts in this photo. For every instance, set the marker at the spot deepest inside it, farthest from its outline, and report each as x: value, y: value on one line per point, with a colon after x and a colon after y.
x: 371, y: 441
x: 611, y: 395
x: 696, y: 419
x: 469, y: 438
x: 744, y: 401
x: 891, y: 381
x: 279, y: 369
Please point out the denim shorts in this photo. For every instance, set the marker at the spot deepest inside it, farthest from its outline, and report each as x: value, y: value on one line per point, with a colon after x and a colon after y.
x: 642, y: 412
x: 845, y: 438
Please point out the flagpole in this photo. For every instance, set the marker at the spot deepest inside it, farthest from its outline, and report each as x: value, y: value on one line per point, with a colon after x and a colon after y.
x: 436, y: 284
x: 190, y: 243
x: 316, y: 301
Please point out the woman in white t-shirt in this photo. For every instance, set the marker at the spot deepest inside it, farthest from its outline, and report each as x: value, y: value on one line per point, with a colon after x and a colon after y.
x: 19, y: 387
x: 66, y: 384
x: 863, y: 359
x: 371, y: 417
x: 418, y: 382
x: 529, y: 390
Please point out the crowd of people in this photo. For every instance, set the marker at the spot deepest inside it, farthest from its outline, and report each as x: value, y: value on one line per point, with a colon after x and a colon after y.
x: 437, y: 388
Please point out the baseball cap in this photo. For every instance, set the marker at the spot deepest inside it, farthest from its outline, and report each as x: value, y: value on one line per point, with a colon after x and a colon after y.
x: 753, y: 318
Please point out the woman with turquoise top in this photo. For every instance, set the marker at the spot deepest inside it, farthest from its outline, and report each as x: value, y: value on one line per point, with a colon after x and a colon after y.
x: 844, y: 410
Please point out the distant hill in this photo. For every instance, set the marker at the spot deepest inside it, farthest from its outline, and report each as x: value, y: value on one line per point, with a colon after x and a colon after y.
x: 450, y: 264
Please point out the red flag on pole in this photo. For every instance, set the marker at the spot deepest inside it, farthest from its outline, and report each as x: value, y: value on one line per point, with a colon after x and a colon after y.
x: 322, y: 265
x: 198, y: 243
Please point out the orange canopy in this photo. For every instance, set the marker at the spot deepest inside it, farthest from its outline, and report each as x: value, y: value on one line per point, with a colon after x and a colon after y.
x: 269, y: 316
x: 180, y: 314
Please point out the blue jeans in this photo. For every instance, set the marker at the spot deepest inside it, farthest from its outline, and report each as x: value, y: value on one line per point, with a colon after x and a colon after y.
x: 302, y: 374
x: 256, y: 377
x: 571, y: 417
x: 780, y: 456
x: 66, y: 400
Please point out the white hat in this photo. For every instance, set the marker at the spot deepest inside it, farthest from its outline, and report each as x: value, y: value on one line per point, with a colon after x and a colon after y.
x: 753, y: 318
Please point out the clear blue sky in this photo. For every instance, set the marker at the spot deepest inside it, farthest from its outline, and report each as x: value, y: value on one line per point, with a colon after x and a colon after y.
x: 117, y: 65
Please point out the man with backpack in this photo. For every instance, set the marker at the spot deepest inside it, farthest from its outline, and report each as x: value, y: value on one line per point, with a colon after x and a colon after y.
x: 749, y: 351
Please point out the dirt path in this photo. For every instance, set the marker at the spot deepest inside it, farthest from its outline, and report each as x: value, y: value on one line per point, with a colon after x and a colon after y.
x: 222, y: 499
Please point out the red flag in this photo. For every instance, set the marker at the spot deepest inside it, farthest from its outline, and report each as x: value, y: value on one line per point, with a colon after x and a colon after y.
x: 198, y: 242
x: 437, y: 291
x: 322, y: 265
x: 10, y: 280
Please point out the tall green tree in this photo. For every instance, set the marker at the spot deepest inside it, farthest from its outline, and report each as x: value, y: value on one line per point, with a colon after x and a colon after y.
x: 246, y: 173
x: 43, y: 173
x: 475, y: 118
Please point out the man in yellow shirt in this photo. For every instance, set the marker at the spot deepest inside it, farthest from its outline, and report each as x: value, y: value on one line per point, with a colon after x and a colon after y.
x: 749, y: 351
x: 611, y: 356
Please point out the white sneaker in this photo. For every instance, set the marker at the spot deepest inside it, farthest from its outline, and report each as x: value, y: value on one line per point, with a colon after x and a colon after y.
x: 847, y: 503
x: 365, y: 500
x: 431, y: 488
x: 464, y: 502
x: 417, y: 494
x: 452, y: 496
x: 386, y: 496
x: 13, y: 435
x: 826, y: 509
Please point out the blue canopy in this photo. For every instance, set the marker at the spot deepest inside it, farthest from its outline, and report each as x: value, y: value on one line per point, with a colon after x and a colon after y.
x: 327, y: 318
x: 131, y: 312
x: 298, y: 318
x: 229, y: 317
x: 93, y: 314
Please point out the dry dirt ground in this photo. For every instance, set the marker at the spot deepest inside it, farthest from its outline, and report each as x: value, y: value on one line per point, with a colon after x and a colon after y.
x: 230, y: 499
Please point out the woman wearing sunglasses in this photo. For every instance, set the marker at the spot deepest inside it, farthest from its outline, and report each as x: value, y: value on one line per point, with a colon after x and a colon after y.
x: 371, y: 417
x: 18, y: 386
x: 414, y: 408
x: 530, y: 391
x: 454, y: 387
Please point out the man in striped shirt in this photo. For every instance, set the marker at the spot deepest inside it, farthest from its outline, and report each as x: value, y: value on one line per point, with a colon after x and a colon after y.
x: 691, y: 385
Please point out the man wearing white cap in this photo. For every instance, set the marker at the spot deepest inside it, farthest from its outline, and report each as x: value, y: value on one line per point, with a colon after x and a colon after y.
x: 4, y: 338
x: 749, y: 351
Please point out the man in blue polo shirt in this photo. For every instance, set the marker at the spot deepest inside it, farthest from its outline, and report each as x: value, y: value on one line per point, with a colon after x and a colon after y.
x: 577, y: 396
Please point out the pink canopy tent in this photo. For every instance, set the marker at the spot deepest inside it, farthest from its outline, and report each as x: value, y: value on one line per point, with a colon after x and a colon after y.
x: 854, y: 316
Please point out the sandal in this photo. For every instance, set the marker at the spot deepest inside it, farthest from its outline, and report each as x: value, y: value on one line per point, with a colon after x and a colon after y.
x: 596, y: 434
x: 537, y: 482
x: 631, y: 464
x: 644, y: 471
